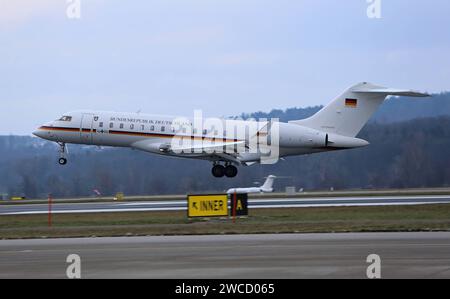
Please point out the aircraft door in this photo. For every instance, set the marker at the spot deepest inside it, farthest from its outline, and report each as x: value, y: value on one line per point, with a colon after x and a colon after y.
x: 87, y: 120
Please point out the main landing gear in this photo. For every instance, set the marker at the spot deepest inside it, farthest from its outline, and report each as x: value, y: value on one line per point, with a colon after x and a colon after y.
x: 219, y: 171
x: 62, y: 153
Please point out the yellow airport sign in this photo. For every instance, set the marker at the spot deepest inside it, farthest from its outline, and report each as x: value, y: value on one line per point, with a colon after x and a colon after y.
x: 17, y: 198
x: 207, y: 205
x: 119, y: 196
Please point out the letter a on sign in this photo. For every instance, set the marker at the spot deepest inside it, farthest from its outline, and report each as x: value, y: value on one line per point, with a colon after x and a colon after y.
x: 239, y: 205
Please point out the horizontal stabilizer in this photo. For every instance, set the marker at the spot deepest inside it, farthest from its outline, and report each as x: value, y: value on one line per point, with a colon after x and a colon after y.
x: 391, y: 92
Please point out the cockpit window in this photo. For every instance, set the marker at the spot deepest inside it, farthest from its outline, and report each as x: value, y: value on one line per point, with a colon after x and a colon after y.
x: 65, y: 118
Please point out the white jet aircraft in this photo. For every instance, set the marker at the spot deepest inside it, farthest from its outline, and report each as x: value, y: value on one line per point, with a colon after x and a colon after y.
x: 265, y: 188
x: 334, y: 127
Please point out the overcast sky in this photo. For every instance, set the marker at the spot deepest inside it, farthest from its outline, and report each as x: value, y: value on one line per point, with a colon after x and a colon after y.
x: 222, y: 56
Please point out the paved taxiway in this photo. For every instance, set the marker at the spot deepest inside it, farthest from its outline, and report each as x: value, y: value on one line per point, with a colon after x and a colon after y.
x: 168, y: 205
x: 403, y: 255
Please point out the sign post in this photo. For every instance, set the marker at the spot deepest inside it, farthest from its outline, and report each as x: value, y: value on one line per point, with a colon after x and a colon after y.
x: 49, y: 210
x: 234, y: 206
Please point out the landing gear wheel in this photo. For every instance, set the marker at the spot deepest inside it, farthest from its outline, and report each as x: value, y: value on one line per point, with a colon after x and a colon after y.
x: 231, y: 171
x: 218, y: 171
x: 62, y: 161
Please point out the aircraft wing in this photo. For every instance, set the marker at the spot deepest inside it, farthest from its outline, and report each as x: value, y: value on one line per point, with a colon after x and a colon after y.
x: 206, y: 148
x: 213, y: 151
x: 228, y: 158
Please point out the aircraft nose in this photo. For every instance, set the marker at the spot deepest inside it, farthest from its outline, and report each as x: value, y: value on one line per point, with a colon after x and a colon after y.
x: 38, y: 133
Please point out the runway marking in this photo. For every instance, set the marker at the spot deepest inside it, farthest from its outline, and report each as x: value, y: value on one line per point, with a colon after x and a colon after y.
x: 146, y: 203
x: 347, y: 205
x: 96, y: 211
x: 353, y: 198
x: 298, y: 200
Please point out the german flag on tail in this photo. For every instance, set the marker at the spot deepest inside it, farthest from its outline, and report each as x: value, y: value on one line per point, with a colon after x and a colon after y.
x: 352, y: 103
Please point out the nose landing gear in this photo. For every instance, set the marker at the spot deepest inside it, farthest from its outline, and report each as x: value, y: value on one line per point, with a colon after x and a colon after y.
x: 219, y: 171
x: 62, y: 153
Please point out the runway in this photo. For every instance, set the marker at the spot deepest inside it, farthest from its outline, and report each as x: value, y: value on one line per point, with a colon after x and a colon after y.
x: 403, y: 255
x: 170, y: 205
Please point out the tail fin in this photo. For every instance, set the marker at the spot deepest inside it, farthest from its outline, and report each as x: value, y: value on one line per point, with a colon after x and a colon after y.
x: 348, y: 113
x: 268, y: 183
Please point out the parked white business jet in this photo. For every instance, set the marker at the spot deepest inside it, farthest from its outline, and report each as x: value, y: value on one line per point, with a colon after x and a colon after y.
x: 265, y: 188
x: 332, y: 128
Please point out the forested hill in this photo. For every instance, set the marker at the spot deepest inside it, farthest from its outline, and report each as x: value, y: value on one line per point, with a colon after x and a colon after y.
x: 393, y: 110
x: 413, y: 153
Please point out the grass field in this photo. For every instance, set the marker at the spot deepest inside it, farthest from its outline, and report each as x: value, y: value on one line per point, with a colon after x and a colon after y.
x: 304, y: 220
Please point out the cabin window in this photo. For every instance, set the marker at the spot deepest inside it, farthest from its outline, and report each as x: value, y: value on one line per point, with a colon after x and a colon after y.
x: 152, y: 128
x: 111, y: 125
x: 65, y: 118
x: 121, y: 126
x: 194, y: 131
x: 100, y: 124
x: 142, y: 127
x: 163, y: 128
x: 205, y: 132
x: 132, y: 126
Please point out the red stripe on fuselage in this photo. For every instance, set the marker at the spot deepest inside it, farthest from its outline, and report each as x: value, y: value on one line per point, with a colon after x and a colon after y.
x: 142, y: 134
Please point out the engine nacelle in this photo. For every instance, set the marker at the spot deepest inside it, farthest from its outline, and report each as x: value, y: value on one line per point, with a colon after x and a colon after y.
x: 156, y: 147
x: 339, y: 141
x: 292, y: 135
